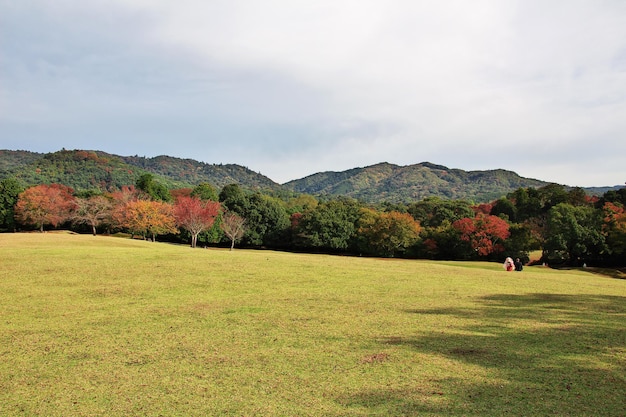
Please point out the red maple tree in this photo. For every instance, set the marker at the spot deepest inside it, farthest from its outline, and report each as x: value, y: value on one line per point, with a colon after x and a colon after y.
x: 195, y: 215
x: 485, y: 233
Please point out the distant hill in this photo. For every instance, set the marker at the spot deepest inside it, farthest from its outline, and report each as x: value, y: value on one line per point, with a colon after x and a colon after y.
x: 393, y: 183
x: 88, y: 170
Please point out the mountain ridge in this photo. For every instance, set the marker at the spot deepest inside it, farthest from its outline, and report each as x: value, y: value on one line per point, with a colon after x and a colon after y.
x: 381, y: 182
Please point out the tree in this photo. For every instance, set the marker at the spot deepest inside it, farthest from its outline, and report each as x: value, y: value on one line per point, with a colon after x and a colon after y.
x: 443, y: 242
x: 578, y: 197
x: 504, y: 207
x: 234, y: 199
x: 150, y: 218
x: 527, y: 203
x: 120, y: 201
x: 520, y: 241
x: 10, y: 190
x: 387, y: 234
x: 45, y: 204
x: 484, y: 233
x: 92, y: 211
x: 434, y: 211
x: 330, y: 225
x: 234, y: 226
x: 195, y: 215
x: 154, y: 189
x: 267, y: 220
x: 205, y: 191
x: 551, y: 195
x: 574, y: 234
x: 614, y: 229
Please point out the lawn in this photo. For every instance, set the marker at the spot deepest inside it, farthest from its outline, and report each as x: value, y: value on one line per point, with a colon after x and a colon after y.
x: 104, y: 326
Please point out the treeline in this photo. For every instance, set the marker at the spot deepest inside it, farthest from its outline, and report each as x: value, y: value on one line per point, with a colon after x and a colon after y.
x: 568, y: 226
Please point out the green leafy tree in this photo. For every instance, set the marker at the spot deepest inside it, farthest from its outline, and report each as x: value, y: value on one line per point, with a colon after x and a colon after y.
x: 10, y: 190
x: 267, y: 221
x: 578, y: 197
x: 574, y: 234
x: 520, y: 241
x: 505, y: 208
x: 613, y: 196
x: 205, y: 191
x: 551, y: 195
x: 154, y: 189
x: 443, y: 242
x: 387, y: 233
x: 331, y: 225
x: 434, y: 211
x: 234, y: 198
x: 527, y: 202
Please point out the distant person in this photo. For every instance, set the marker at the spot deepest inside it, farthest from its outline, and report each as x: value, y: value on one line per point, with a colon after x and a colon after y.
x: 518, y: 265
x: 509, y: 265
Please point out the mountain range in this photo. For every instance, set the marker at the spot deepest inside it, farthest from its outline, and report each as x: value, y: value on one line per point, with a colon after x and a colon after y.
x: 383, y: 182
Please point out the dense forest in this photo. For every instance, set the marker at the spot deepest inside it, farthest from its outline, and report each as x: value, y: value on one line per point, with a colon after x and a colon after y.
x: 566, y: 224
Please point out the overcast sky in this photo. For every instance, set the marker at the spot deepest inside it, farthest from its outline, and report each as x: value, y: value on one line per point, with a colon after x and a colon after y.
x: 289, y: 88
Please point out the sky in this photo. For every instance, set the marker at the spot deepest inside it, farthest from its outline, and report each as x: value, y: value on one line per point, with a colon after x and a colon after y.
x: 289, y: 88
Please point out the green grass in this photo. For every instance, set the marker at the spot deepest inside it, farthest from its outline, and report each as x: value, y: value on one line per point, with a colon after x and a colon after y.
x: 94, y: 326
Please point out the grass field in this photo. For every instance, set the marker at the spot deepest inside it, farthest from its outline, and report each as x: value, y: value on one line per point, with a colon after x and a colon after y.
x: 103, y: 326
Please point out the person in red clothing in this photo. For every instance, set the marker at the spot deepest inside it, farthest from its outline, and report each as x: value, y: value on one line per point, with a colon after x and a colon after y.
x: 509, y: 265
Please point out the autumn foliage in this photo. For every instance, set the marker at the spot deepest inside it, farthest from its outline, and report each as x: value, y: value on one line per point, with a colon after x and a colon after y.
x: 485, y: 233
x: 567, y: 226
x: 45, y: 205
x: 195, y: 215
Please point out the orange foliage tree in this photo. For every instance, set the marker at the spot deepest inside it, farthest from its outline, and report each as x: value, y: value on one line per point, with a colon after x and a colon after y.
x: 45, y: 204
x: 195, y: 215
x: 484, y: 233
x: 149, y: 218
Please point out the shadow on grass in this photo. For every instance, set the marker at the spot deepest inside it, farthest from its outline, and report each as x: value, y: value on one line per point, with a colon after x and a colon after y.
x: 619, y: 273
x: 542, y: 354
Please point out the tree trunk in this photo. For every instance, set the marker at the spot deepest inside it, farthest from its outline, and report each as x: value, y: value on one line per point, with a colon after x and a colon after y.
x: 232, y: 244
x: 93, y: 228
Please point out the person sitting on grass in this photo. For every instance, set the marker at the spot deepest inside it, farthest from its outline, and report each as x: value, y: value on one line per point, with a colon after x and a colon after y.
x: 509, y: 265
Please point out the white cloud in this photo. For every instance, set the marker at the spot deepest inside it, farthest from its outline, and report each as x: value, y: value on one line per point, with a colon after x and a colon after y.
x: 290, y: 88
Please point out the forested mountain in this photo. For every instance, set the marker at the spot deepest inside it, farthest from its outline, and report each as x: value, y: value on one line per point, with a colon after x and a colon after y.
x: 393, y: 183
x: 384, y: 182
x: 87, y: 170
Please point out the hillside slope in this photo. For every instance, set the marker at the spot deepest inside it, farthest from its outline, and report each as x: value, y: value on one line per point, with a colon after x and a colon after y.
x: 384, y: 182
x: 393, y: 183
x: 86, y: 170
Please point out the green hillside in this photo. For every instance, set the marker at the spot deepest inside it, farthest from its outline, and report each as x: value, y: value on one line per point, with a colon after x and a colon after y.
x: 384, y: 182
x: 87, y: 170
x: 393, y: 183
